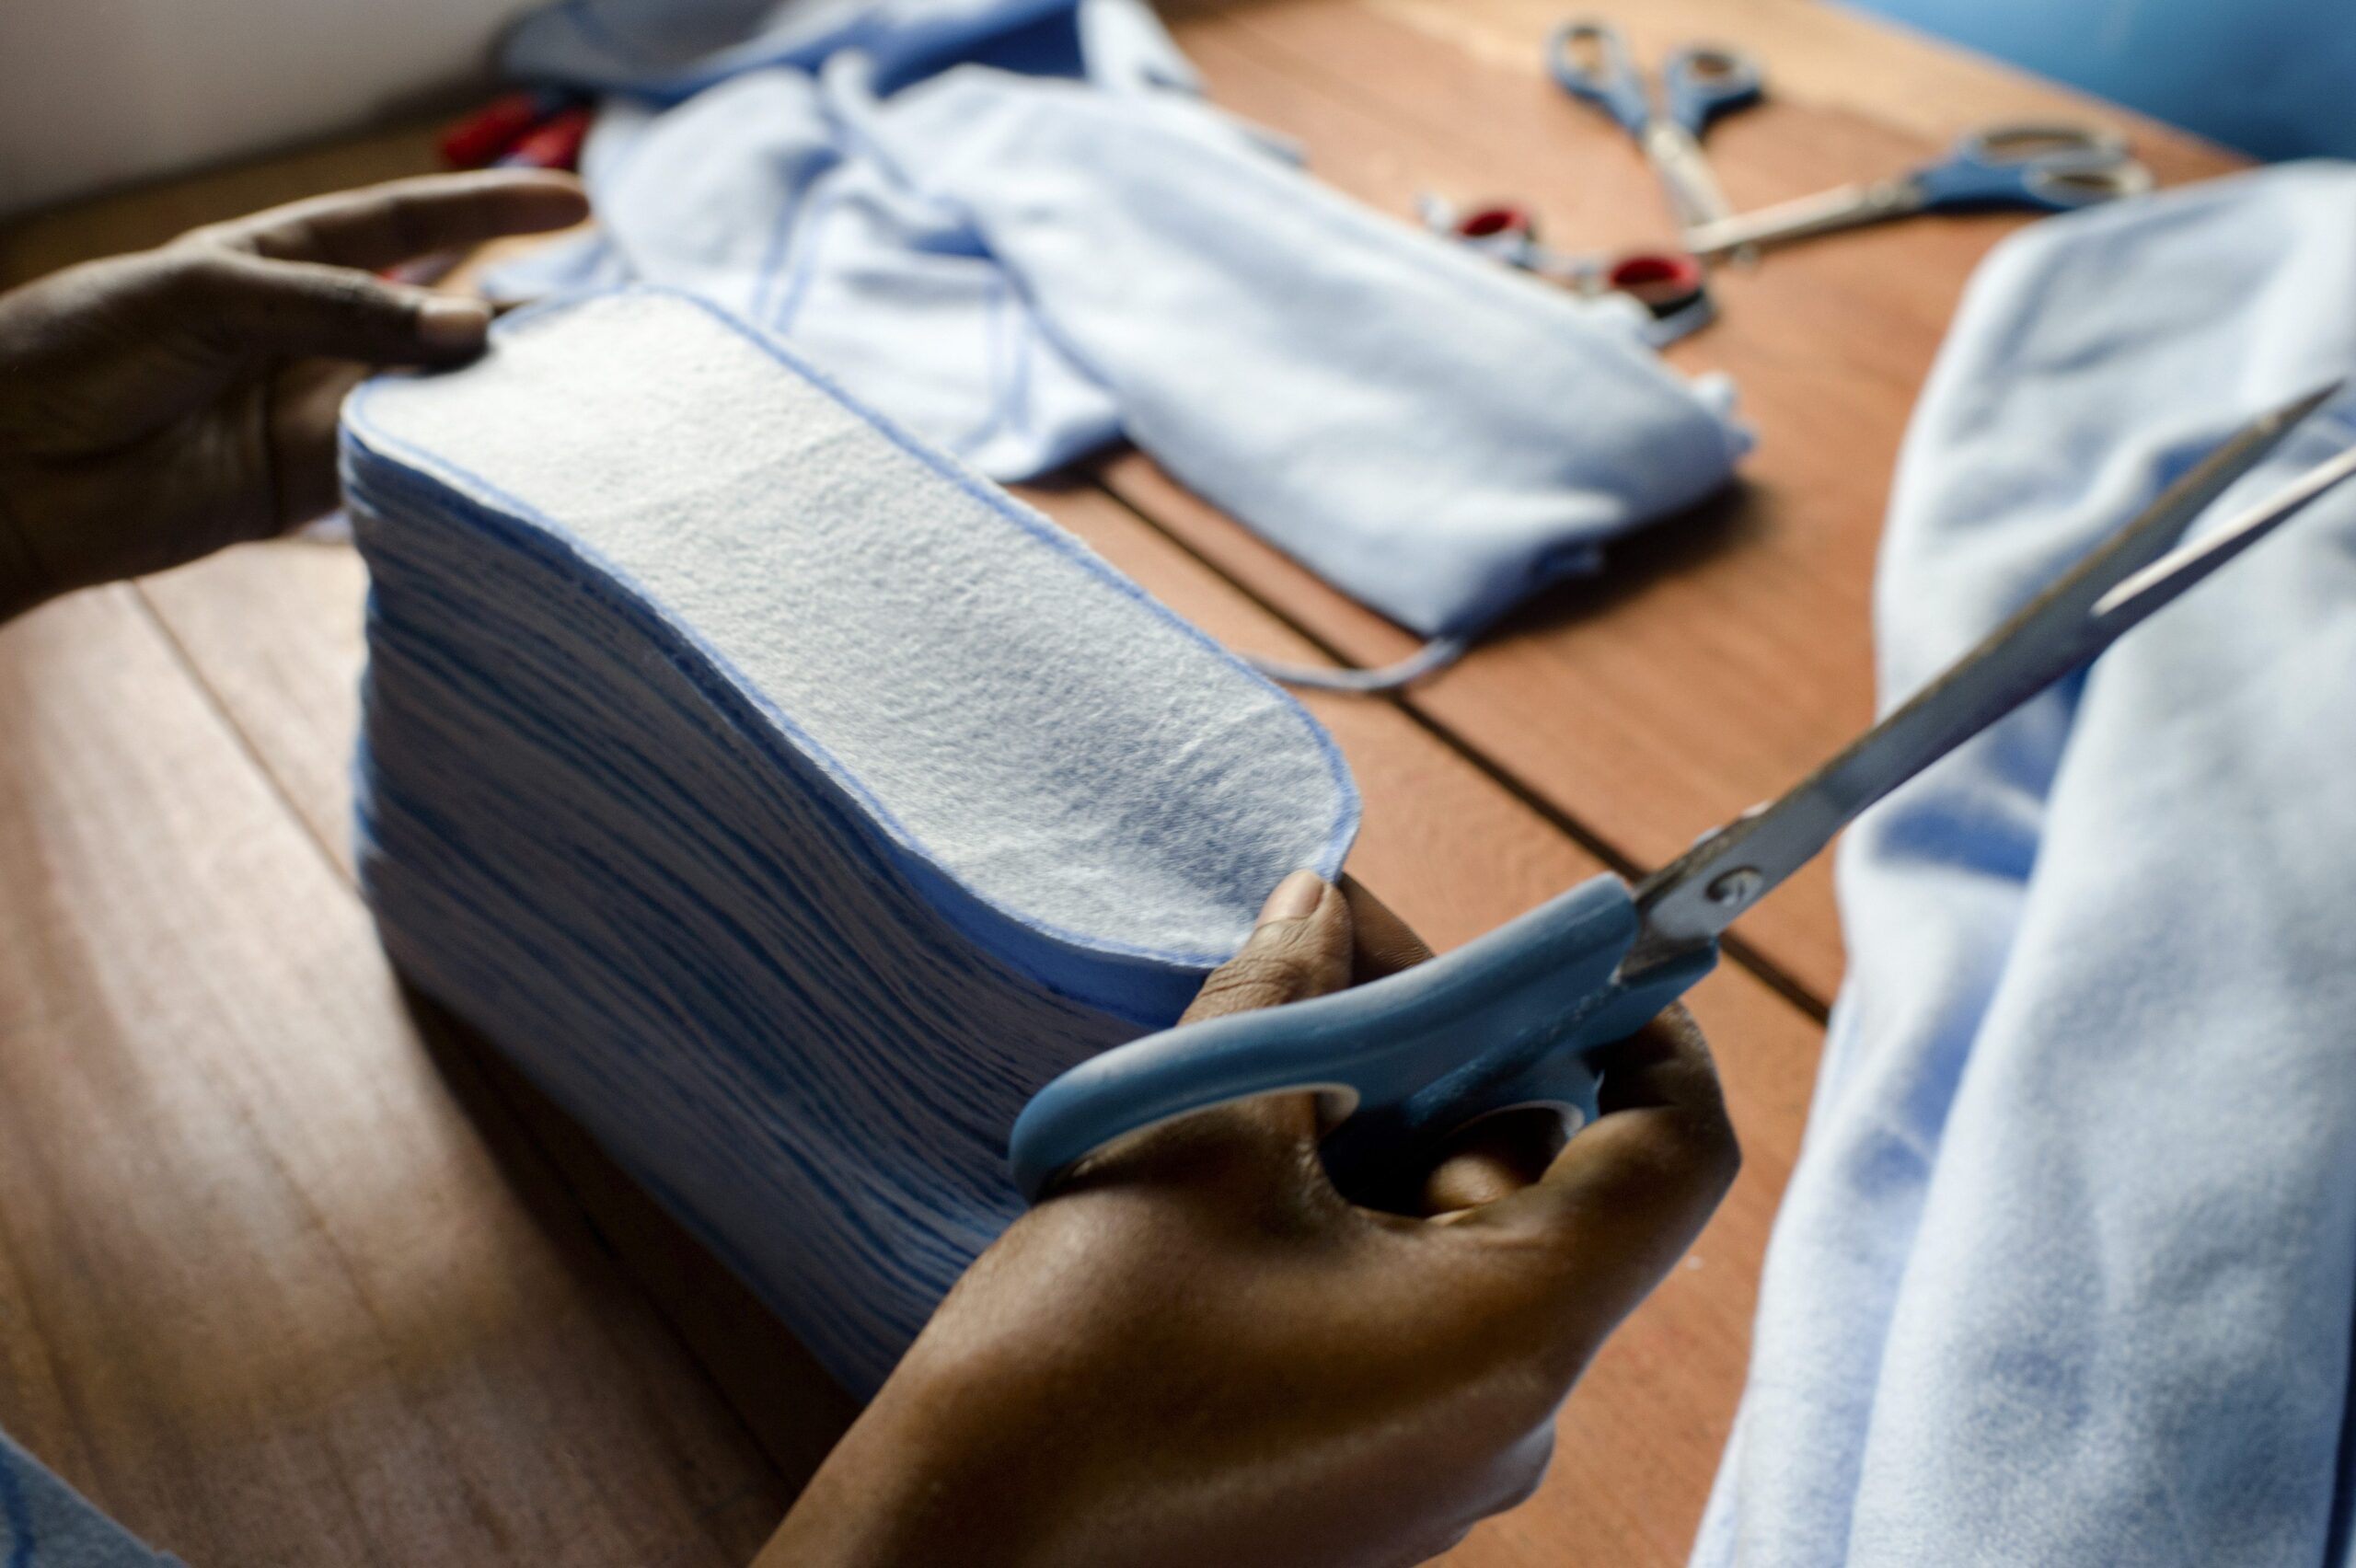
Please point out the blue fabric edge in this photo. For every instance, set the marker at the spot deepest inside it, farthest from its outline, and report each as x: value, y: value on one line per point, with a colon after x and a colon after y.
x: 1141, y: 988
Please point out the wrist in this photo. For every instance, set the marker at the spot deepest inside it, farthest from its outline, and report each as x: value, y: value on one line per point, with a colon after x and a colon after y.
x: 922, y: 1477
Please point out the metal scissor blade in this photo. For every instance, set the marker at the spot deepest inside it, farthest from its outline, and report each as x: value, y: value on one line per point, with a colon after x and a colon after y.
x: 1690, y: 901
x: 1849, y: 206
x: 2137, y: 596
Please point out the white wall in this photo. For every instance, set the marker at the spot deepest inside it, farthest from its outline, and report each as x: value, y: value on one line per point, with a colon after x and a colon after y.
x: 97, y: 92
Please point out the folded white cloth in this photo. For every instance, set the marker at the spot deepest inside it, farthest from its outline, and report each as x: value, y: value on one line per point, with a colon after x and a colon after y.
x: 789, y: 803
x: 2067, y: 1270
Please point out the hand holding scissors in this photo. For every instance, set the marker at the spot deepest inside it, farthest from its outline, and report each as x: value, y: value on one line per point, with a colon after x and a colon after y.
x: 1508, y: 1021
x: 1591, y: 61
x: 2049, y: 167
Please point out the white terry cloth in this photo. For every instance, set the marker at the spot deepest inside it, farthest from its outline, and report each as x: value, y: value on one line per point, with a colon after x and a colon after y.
x: 791, y: 803
x: 2066, y: 1273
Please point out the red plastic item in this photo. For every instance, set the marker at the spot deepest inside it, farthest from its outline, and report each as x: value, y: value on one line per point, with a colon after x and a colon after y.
x: 555, y: 143
x: 1660, y: 281
x: 480, y: 138
x: 1501, y: 220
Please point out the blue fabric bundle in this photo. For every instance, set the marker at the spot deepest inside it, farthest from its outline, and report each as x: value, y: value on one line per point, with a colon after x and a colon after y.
x: 45, y: 1524
x: 667, y: 49
x: 789, y: 803
x: 1024, y: 264
x: 2067, y: 1270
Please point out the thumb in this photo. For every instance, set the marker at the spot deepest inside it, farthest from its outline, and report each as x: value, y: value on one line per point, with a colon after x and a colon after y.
x: 1300, y: 949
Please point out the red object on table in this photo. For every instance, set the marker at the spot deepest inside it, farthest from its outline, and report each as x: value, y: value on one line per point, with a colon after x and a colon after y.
x: 555, y: 143
x: 1661, y: 280
x: 479, y: 139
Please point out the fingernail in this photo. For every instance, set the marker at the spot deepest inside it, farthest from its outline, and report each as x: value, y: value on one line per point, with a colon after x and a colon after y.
x: 447, y: 322
x: 1296, y: 897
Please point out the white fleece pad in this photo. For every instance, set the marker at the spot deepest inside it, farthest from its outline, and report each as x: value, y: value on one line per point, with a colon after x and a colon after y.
x: 792, y: 803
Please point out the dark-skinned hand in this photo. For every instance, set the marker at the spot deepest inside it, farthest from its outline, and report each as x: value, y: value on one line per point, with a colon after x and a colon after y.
x: 158, y: 406
x: 1198, y: 1353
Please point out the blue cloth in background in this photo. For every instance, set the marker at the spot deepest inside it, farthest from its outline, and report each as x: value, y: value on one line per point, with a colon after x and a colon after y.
x: 1433, y: 434
x: 2066, y: 1273
x: 1023, y: 265
x: 755, y: 195
x: 667, y: 49
x: 45, y: 1524
x: 2273, y: 78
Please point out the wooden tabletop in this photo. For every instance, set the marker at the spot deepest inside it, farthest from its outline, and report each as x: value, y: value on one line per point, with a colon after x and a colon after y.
x: 292, y: 1270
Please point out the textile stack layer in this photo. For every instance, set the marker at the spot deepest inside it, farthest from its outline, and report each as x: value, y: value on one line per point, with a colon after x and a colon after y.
x: 790, y: 803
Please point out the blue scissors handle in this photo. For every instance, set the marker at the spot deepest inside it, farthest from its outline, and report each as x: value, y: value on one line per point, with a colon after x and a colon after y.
x: 2050, y: 167
x: 1590, y: 62
x: 1702, y: 83
x: 1506, y: 1020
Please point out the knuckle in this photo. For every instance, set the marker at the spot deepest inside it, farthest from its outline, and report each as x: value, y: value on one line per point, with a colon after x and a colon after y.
x: 1524, y: 1470
x: 211, y: 237
x: 1258, y: 978
x: 354, y: 296
x: 1709, y: 1148
x: 1696, y: 1151
x: 192, y: 276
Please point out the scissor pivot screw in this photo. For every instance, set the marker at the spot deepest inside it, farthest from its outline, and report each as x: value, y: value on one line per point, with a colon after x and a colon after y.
x: 1735, y: 888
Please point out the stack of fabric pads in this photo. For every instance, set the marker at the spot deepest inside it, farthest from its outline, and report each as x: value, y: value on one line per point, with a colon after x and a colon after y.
x: 790, y: 803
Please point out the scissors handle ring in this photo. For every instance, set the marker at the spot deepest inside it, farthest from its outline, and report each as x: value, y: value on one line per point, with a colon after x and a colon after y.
x: 1703, y: 82
x: 2048, y: 144
x: 1504, y: 1021
x: 1590, y: 62
x: 2065, y: 189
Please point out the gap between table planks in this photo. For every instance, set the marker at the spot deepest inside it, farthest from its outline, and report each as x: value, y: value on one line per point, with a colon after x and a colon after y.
x: 1722, y: 654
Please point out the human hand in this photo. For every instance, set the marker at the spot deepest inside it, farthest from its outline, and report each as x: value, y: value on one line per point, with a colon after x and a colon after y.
x: 1198, y: 1352
x: 158, y: 406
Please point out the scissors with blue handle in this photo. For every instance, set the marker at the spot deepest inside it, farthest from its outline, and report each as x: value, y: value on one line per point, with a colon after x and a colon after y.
x: 2047, y: 168
x: 1591, y: 61
x: 1508, y: 1021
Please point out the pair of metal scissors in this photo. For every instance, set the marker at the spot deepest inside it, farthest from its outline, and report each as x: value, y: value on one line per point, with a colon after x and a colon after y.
x: 1669, y: 284
x: 2048, y: 167
x: 1591, y: 61
x: 1507, y: 1021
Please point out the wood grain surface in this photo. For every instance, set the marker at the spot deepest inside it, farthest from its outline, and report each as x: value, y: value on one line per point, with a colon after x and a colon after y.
x: 1722, y: 655
x: 293, y: 1270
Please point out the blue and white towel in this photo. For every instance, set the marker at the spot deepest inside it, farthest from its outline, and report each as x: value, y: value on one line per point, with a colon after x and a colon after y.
x: 790, y: 803
x: 2067, y: 1270
x: 1042, y: 249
